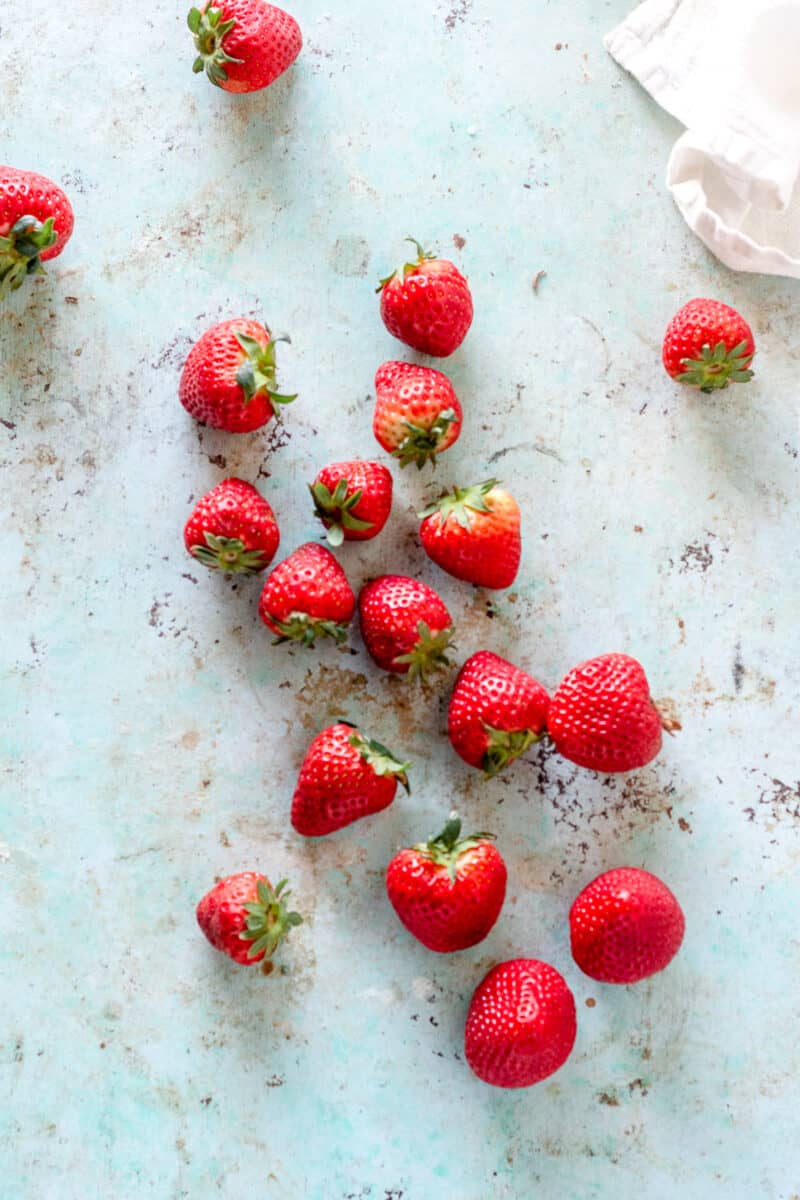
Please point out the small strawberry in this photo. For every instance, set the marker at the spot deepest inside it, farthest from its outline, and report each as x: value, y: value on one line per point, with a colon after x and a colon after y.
x: 228, y: 380
x: 601, y: 716
x: 353, y: 500
x: 521, y: 1024
x: 427, y: 304
x: 496, y: 712
x: 36, y: 222
x: 474, y: 534
x: 417, y: 412
x: 233, y: 529
x: 708, y: 345
x: 243, y: 45
x: 625, y: 926
x: 344, y: 777
x: 307, y: 596
x: 448, y: 892
x: 405, y: 625
x: 246, y: 918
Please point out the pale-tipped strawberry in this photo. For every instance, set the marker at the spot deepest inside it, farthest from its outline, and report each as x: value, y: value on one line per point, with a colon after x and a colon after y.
x: 36, y: 223
x: 243, y: 45
x: 307, y: 596
x: 427, y: 304
x: 246, y: 918
x: 708, y: 345
x: 405, y: 625
x: 417, y: 412
x: 345, y: 776
x: 473, y: 533
x: 233, y: 529
x: 497, y: 712
x: 353, y: 500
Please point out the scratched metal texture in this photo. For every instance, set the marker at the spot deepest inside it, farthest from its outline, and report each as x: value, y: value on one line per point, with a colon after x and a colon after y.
x: 152, y: 734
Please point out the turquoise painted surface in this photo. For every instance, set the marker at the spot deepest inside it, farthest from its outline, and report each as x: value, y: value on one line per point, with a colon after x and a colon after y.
x: 151, y: 734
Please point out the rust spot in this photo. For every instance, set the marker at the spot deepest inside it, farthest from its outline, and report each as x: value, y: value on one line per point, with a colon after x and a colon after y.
x: 608, y: 1098
x: 684, y: 825
x: 224, y: 840
x: 638, y: 529
x: 191, y: 739
x: 267, y: 966
x: 459, y: 12
x: 537, y: 279
x: 458, y: 241
x: 590, y: 1002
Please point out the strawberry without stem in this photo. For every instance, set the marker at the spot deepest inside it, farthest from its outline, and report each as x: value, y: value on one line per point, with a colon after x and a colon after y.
x: 307, y: 596
x: 708, y: 345
x: 233, y: 529
x: 417, y: 412
x: 243, y: 45
x: 497, y: 712
x: 405, y: 625
x: 427, y: 304
x: 246, y: 918
x: 353, y: 500
x: 474, y: 534
x: 36, y: 222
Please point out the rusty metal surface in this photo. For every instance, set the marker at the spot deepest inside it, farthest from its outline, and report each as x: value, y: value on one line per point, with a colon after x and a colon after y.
x: 151, y: 733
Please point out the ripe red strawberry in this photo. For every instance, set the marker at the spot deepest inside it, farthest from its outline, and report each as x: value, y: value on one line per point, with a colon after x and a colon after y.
x: 496, y: 712
x: 625, y: 926
x: 243, y: 45
x: 246, y: 918
x: 405, y: 625
x: 307, y: 596
x: 708, y: 345
x: 474, y: 534
x: 344, y: 777
x: 353, y: 500
x: 521, y: 1024
x: 36, y: 222
x: 417, y: 412
x: 228, y: 380
x: 233, y: 529
x: 448, y: 892
x: 427, y: 304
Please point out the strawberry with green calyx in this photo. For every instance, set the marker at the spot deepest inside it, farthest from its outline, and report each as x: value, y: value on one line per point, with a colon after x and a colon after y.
x: 427, y: 304
x: 36, y: 222
x: 243, y: 45
x: 417, y: 412
x: 246, y: 918
x: 497, y: 712
x: 307, y: 596
x: 233, y: 529
x: 473, y: 533
x: 353, y: 500
x: 708, y: 345
x: 406, y: 626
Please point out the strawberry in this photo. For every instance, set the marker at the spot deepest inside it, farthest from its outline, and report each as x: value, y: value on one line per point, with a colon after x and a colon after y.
x: 417, y: 412
x: 353, y: 500
x: 405, y: 625
x: 708, y: 345
x: 496, y: 712
x: 36, y: 222
x: 307, y: 596
x: 246, y: 918
x: 344, y: 777
x: 228, y: 380
x: 602, y: 717
x: 243, y: 45
x: 233, y: 529
x: 625, y: 926
x: 521, y: 1024
x: 474, y: 534
x: 427, y: 304
x: 448, y: 892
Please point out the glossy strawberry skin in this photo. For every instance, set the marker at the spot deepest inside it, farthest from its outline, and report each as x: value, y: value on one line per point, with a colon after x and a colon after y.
x: 222, y: 916
x: 337, y: 785
x: 521, y: 1025
x: 602, y: 717
x: 701, y: 323
x: 487, y: 553
x: 391, y: 609
x: 374, y: 482
x: 310, y: 582
x: 490, y: 691
x: 233, y: 510
x: 26, y: 193
x: 411, y: 398
x: 429, y: 307
x: 265, y: 39
x: 625, y: 926
x: 209, y: 390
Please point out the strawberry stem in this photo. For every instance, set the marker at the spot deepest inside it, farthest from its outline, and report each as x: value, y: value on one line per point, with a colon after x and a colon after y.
x: 382, y: 761
x: 229, y: 555
x: 256, y: 374
x: 269, y: 921
x: 209, y: 34
x: 429, y: 652
x: 335, y: 509
x: 21, y: 249
x: 448, y: 846
x: 716, y: 368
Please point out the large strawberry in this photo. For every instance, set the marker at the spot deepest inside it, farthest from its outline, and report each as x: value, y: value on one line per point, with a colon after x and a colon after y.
x: 708, y: 345
x: 233, y: 529
x: 307, y: 596
x: 497, y: 711
x: 602, y: 717
x: 474, y: 534
x: 243, y: 45
x: 228, y: 380
x: 405, y: 625
x: 625, y: 926
x: 417, y: 412
x: 448, y: 892
x: 427, y: 304
x: 344, y: 777
x: 246, y: 918
x: 36, y: 223
x: 521, y: 1024
x: 353, y: 500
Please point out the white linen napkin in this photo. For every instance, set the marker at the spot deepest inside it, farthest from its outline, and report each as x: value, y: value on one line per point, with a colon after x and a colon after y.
x: 730, y: 71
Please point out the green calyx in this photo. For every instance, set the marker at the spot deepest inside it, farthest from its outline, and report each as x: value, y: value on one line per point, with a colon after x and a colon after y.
x: 421, y: 445
x: 382, y: 761
x: 505, y: 746
x: 268, y: 920
x: 209, y: 33
x: 446, y: 849
x: 229, y: 555
x: 256, y: 374
x: 21, y: 249
x: 429, y: 653
x: 335, y: 508
x: 300, y: 627
x: 409, y: 267
x: 717, y: 368
x: 461, y: 501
